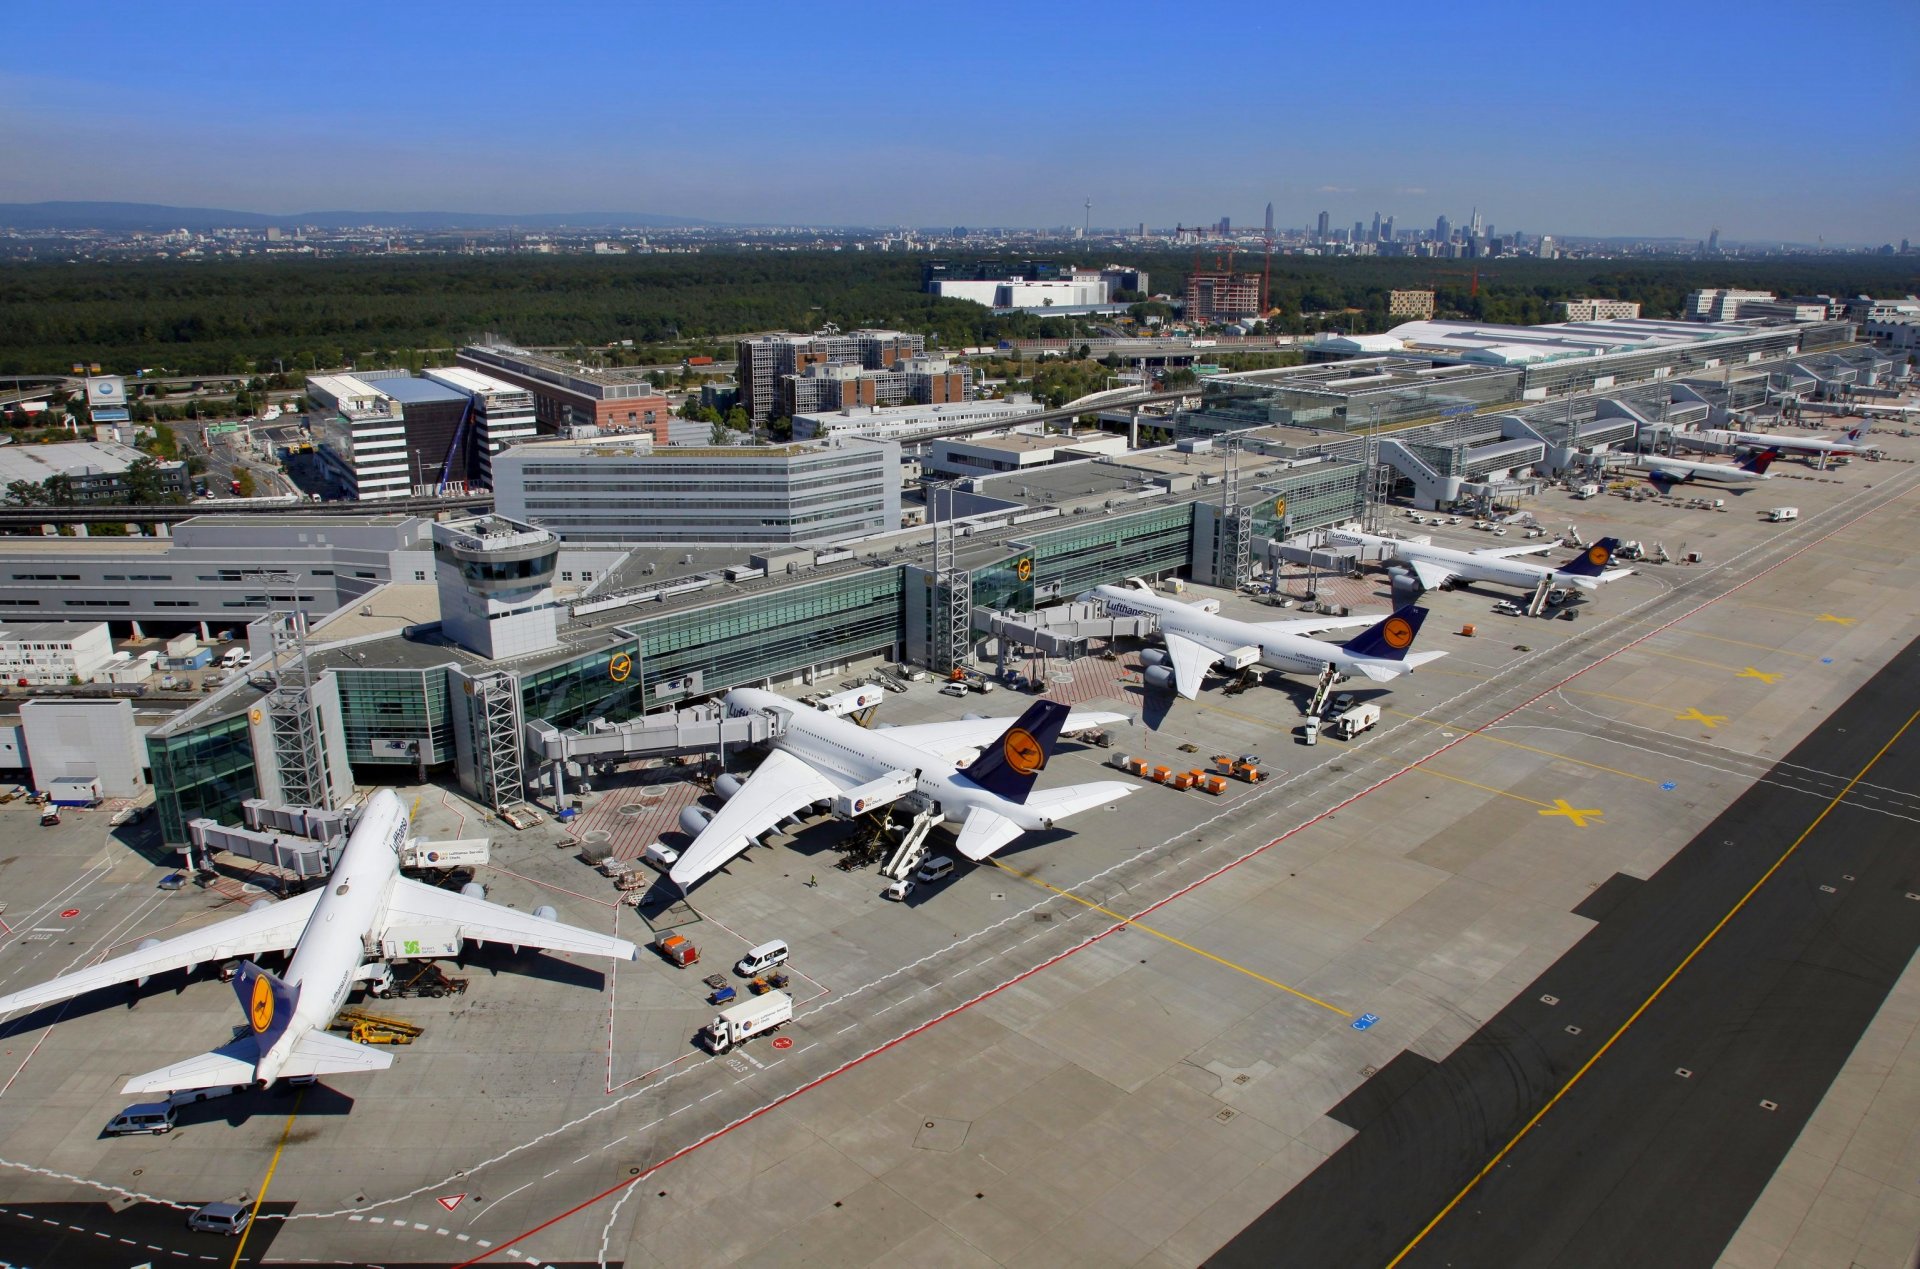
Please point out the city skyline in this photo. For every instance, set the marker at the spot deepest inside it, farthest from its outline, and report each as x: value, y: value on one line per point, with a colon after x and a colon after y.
x: 281, y: 115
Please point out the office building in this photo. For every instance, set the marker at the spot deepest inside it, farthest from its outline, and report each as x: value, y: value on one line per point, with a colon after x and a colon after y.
x: 84, y: 742
x: 1323, y: 228
x: 1410, y: 304
x: 1269, y: 220
x: 1864, y: 308
x: 1375, y: 235
x: 90, y: 471
x: 1589, y: 310
x: 43, y: 653
x: 1899, y: 334
x: 566, y: 395
x: 499, y: 414
x: 1017, y: 451
x: 1222, y: 297
x: 1442, y: 229
x: 1721, y: 304
x: 909, y: 422
x: 628, y: 491
x: 919, y: 380
x: 765, y: 358
x: 381, y: 434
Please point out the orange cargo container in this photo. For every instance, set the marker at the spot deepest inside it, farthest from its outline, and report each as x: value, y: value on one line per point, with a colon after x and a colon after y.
x: 1162, y: 774
x: 1182, y: 781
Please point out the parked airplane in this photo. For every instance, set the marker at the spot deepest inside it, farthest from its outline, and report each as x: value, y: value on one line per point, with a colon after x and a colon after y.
x: 818, y: 757
x: 1440, y: 566
x: 1819, y: 446
x: 328, y: 931
x: 1678, y: 471
x: 1197, y: 638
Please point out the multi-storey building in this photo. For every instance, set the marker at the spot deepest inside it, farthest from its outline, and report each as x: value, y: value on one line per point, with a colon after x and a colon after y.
x: 765, y: 358
x: 1410, y: 304
x: 921, y: 380
x: 362, y: 435
x: 628, y: 491
x: 88, y: 471
x: 1590, y: 310
x: 1721, y: 304
x: 499, y: 414
x: 566, y: 395
x: 1222, y: 297
x: 40, y: 653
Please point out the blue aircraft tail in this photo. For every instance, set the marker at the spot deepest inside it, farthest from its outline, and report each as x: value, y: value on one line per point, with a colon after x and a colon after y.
x: 1010, y: 765
x: 268, y: 1002
x: 1758, y: 463
x: 1857, y: 434
x: 1594, y: 560
x: 1388, y: 640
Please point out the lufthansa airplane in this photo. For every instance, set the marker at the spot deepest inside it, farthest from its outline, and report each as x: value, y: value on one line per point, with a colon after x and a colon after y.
x: 328, y: 931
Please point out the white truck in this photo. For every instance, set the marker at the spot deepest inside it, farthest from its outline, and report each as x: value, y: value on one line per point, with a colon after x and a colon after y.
x: 1780, y: 515
x: 744, y: 1019
x: 1354, y: 720
x: 470, y: 852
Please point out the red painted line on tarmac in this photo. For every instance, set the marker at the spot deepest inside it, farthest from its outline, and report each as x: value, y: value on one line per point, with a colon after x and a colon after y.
x: 1055, y: 959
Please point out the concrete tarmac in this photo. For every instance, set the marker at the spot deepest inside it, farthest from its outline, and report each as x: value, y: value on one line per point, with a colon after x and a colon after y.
x: 1629, y: 1119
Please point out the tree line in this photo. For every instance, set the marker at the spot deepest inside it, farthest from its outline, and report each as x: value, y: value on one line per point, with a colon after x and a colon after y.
x: 282, y: 317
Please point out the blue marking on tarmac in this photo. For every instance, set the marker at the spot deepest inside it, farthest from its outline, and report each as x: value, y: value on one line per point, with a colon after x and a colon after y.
x: 1365, y: 1020
x: 1669, y: 786
x: 1826, y: 660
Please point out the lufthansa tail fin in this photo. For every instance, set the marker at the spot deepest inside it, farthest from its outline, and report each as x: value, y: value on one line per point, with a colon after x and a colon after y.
x: 1594, y: 560
x: 1009, y: 766
x: 1758, y: 463
x: 267, y: 1001
x: 1388, y: 640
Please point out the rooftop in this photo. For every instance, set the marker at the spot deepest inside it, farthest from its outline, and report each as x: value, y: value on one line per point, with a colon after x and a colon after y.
x: 407, y: 390
x: 35, y: 463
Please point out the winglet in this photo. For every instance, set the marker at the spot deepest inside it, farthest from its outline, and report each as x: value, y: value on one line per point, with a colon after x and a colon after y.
x: 267, y: 1001
x: 1388, y: 640
x: 1009, y: 766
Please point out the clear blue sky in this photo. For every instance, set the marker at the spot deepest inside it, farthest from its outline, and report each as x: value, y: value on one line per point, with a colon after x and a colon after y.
x: 1772, y: 120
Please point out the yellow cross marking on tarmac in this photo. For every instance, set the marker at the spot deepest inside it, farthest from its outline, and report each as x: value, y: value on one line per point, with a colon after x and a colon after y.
x: 1579, y: 815
x: 1705, y: 720
x: 1762, y: 675
x: 1838, y: 621
x: 1147, y: 929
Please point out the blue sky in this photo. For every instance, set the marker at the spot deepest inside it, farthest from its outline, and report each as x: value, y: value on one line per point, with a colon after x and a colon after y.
x: 1771, y: 120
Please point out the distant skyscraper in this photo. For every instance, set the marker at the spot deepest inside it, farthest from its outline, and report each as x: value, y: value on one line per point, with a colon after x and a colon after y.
x: 1386, y: 230
x: 1359, y: 231
x: 1226, y: 225
x: 1713, y: 242
x: 1474, y: 229
x: 1443, y: 230
x: 1376, y: 226
x: 1326, y: 225
x: 1269, y: 220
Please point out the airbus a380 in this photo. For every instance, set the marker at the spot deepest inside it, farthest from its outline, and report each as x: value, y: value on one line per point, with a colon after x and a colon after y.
x: 1439, y: 566
x: 1198, y: 638
x: 820, y: 757
x: 328, y: 931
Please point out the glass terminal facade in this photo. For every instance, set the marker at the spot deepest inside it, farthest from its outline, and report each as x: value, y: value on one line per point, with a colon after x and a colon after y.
x: 203, y: 772
x: 385, y: 713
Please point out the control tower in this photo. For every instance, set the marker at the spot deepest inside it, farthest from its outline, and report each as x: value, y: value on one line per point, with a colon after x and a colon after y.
x: 496, y: 585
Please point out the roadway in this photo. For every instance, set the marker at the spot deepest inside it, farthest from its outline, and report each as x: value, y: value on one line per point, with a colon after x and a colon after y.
x: 1674, y: 1106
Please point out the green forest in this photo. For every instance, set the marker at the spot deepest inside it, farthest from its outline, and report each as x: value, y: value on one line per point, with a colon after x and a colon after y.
x: 264, y: 316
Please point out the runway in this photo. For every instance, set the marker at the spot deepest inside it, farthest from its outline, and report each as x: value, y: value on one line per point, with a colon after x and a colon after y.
x: 1676, y: 1100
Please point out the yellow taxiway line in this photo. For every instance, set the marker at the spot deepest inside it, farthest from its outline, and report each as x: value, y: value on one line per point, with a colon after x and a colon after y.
x: 1180, y: 943
x: 273, y: 1166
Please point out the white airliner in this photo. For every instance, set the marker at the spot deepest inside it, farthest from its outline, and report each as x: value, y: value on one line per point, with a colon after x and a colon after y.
x: 328, y: 931
x: 1678, y: 471
x: 1848, y: 443
x: 818, y: 757
x: 1440, y: 566
x: 1198, y: 638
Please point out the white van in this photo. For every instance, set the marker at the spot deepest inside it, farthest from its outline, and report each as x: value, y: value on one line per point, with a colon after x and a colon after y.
x: 152, y: 1117
x: 759, y: 960
x: 236, y: 658
x: 661, y: 856
x: 936, y: 867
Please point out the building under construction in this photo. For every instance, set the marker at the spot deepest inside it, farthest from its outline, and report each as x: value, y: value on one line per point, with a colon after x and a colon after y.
x: 1221, y: 296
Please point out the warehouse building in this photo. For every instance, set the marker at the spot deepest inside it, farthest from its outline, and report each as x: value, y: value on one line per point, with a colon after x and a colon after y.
x: 89, y: 471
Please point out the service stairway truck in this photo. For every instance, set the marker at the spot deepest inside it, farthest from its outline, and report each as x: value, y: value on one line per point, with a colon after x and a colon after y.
x: 744, y: 1019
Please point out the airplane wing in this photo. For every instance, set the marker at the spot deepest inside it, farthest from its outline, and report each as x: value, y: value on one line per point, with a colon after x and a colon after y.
x: 1191, y: 660
x: 272, y: 929
x: 415, y: 903
x: 781, y: 786
x: 1508, y: 552
x: 955, y: 739
x: 1432, y: 576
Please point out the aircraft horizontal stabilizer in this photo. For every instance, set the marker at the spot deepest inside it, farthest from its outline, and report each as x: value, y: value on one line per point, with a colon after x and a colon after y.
x: 318, y: 1053
x: 985, y: 832
x: 226, y: 1066
x: 1058, y: 804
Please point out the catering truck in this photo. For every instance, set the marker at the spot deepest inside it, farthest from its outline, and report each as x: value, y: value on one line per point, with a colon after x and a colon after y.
x: 744, y: 1019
